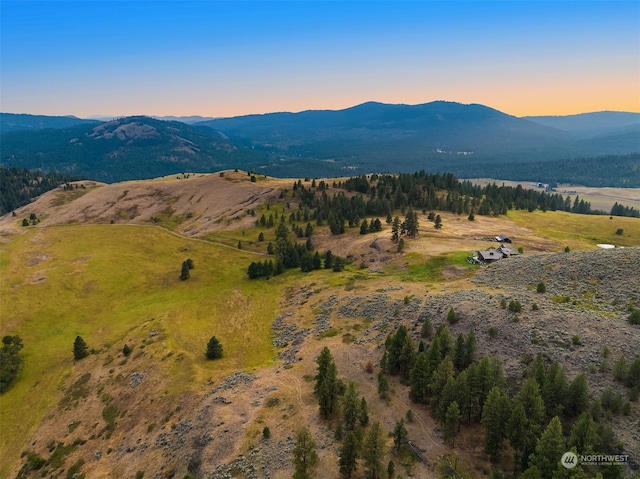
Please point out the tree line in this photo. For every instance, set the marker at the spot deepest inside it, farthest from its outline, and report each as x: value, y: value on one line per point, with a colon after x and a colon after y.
x: 381, y: 195
x: 20, y: 186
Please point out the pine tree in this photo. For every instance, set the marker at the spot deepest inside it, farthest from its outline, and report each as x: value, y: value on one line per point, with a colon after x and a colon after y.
x: 373, y: 452
x: 470, y: 347
x: 363, y: 412
x: 348, y: 454
x: 443, y: 373
x: 350, y: 407
x: 584, y: 434
x: 437, y: 224
x: 184, y: 274
x: 328, y: 392
x: 494, y: 415
x: 395, y: 230
x: 426, y: 331
x: 305, y: 457
x: 554, y: 391
x: 533, y: 404
x: 214, y: 348
x: 399, y: 434
x: 459, y: 358
x: 516, y: 432
x: 324, y: 359
x: 383, y: 385
x: 463, y: 394
x: 549, y: 448
x: 451, y: 423
x: 420, y: 378
x: 80, y: 349
x: 577, y: 395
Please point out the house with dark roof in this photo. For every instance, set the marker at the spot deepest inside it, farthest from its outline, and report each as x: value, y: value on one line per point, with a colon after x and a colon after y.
x: 490, y: 256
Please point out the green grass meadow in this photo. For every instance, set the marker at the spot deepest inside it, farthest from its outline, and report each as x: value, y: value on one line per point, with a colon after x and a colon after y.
x: 580, y: 231
x: 108, y: 283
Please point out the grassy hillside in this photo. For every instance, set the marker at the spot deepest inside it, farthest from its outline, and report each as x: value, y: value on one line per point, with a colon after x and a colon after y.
x: 580, y: 231
x: 103, y: 282
x: 117, y: 284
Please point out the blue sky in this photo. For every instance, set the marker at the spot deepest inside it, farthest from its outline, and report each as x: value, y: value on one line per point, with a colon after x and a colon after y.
x: 215, y: 58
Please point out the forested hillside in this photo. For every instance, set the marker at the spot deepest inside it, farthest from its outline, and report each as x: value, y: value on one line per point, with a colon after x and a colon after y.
x: 20, y: 185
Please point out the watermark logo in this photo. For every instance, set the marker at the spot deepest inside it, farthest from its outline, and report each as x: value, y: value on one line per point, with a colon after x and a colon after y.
x: 569, y: 460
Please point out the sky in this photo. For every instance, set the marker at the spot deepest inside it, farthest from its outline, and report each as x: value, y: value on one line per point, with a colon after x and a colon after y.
x: 221, y: 59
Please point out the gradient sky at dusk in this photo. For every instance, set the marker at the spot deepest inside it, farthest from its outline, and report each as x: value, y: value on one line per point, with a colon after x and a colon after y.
x: 215, y: 58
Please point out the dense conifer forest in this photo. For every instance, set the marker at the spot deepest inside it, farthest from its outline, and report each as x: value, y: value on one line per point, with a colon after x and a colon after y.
x: 20, y: 185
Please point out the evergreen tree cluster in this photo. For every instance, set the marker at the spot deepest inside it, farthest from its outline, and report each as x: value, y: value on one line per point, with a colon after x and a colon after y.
x: 350, y: 409
x: 459, y: 389
x: 381, y: 195
x: 290, y: 254
x: 20, y: 185
x: 621, y: 210
x: 187, y: 266
x: 11, y: 361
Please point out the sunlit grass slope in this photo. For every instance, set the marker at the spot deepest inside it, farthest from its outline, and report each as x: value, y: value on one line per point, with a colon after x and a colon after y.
x: 102, y: 282
x: 580, y: 231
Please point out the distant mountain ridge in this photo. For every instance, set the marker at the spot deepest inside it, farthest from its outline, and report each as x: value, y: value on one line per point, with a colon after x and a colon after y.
x: 122, y: 149
x: 371, y: 137
x: 601, y: 121
x: 21, y: 121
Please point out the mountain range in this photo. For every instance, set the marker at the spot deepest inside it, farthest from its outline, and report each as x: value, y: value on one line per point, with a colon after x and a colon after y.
x: 467, y: 140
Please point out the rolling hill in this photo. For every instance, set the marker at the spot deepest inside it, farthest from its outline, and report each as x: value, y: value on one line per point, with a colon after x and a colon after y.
x: 103, y: 262
x: 467, y: 140
x: 124, y: 149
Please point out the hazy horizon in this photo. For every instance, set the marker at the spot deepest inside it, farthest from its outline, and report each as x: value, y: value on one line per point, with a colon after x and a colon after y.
x: 223, y: 59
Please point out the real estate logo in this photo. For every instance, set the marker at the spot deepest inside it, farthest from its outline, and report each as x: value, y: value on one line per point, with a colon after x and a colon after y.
x: 569, y: 460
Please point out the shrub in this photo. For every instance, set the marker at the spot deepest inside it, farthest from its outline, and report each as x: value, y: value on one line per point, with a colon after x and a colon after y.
x: 634, y: 317
x: 492, y: 332
x: 503, y: 304
x: 541, y: 288
x: 515, y: 306
x: 620, y: 231
x: 369, y: 367
x: 567, y: 249
x: 576, y: 340
x: 535, y: 307
x: 266, y: 432
x: 126, y: 350
x: 452, y: 317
